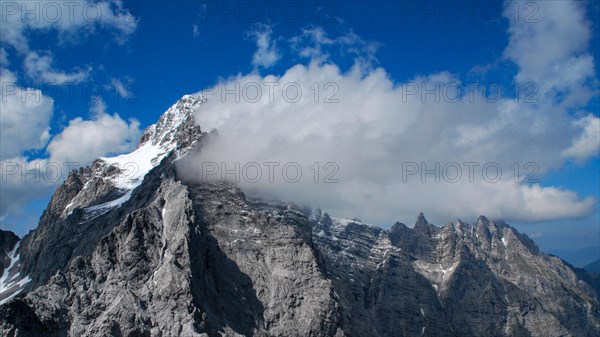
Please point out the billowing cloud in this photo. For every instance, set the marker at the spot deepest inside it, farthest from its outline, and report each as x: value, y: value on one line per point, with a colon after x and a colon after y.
x: 266, y: 54
x: 374, y: 146
x: 380, y: 150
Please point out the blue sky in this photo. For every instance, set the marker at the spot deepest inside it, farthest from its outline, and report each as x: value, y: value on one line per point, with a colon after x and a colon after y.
x: 157, y: 51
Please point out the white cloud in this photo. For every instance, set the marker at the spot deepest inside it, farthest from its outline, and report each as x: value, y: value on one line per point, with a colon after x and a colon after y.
x: 85, y: 140
x: 25, y: 117
x: 73, y: 21
x: 553, y: 54
x: 82, y: 141
x: 40, y: 69
x: 376, y: 128
x: 311, y: 43
x: 23, y: 181
x: 122, y: 88
x: 363, y: 51
x: 195, y: 31
x: 97, y: 106
x: 315, y: 44
x: 266, y: 54
x: 69, y: 18
x: 552, y: 51
x: 3, y: 58
x: 536, y: 235
x: 588, y: 143
x: 26, y: 113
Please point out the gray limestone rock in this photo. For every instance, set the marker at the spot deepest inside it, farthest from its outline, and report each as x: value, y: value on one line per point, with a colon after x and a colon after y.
x: 176, y: 258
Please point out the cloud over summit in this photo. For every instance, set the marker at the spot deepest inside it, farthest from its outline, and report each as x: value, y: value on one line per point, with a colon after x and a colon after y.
x: 378, y: 132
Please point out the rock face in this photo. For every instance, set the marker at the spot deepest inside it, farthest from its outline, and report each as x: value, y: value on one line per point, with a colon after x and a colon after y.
x: 8, y: 240
x: 146, y: 253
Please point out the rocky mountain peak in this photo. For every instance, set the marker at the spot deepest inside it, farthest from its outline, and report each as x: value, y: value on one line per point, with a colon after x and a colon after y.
x: 483, y: 221
x: 421, y: 221
x: 423, y: 226
x: 176, y: 127
x: 109, y: 182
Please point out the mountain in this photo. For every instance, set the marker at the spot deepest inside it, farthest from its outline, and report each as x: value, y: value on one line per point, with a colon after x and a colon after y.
x: 593, y: 267
x: 144, y: 252
x: 578, y: 257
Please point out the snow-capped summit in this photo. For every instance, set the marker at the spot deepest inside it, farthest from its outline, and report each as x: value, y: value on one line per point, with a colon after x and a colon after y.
x: 175, y: 126
x: 117, y: 177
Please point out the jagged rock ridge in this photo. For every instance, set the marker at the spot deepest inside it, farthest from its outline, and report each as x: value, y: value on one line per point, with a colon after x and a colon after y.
x: 145, y: 253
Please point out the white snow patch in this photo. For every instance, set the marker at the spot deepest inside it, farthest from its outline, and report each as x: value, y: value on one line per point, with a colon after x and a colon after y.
x: 135, y: 165
x: 345, y: 222
x: 4, y: 281
x: 504, y: 242
x: 164, y: 212
x: 111, y: 204
x: 341, y: 221
x: 320, y: 233
x: 422, y: 312
x: 68, y: 207
x: 7, y: 284
x: 434, y: 272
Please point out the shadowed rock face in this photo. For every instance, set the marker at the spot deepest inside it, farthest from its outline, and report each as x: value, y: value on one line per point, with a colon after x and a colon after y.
x: 8, y: 240
x: 183, y: 259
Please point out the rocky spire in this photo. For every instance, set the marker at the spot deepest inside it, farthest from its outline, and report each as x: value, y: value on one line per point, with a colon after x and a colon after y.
x: 421, y: 221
